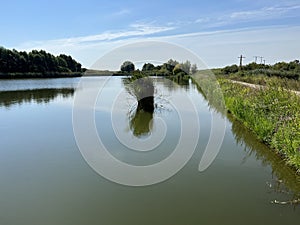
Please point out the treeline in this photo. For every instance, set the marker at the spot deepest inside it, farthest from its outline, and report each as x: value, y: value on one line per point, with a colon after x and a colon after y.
x: 170, y: 68
x: 289, y: 70
x: 13, y: 62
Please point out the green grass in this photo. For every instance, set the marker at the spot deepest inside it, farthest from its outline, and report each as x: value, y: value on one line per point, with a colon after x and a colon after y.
x: 272, y: 113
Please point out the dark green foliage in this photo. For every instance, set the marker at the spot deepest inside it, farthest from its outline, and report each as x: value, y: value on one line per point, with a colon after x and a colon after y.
x: 41, y: 62
x: 127, y: 67
x: 230, y: 69
x: 255, y: 66
x: 148, y: 67
x: 158, y: 67
x: 168, y: 69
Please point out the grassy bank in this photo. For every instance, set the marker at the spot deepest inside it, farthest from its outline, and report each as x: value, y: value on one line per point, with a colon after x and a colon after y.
x: 272, y: 113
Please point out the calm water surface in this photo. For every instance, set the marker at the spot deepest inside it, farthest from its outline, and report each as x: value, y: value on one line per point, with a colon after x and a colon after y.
x: 45, y: 180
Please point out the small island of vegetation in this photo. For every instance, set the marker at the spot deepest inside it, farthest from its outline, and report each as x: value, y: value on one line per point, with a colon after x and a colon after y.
x: 37, y: 64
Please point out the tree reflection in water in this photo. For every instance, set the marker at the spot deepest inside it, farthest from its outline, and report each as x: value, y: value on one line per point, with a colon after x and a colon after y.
x: 141, y: 122
x: 39, y: 96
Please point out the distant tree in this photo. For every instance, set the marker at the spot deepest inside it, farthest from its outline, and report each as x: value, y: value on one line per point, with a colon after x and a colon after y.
x: 62, y: 64
x: 194, y: 69
x: 72, y: 64
x: 127, y: 66
x: 281, y: 66
x: 186, y: 67
x: 172, y: 62
x: 168, y: 67
x: 148, y: 67
x: 158, y: 67
x: 294, y: 65
x: 230, y: 69
x: 177, y: 69
x: 254, y: 66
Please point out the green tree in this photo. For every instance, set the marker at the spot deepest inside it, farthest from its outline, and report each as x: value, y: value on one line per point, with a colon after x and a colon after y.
x: 186, y: 67
x: 168, y: 67
x: 230, y: 69
x: 177, y: 69
x: 172, y: 62
x: 194, y: 69
x: 148, y: 67
x: 127, y: 67
x: 281, y: 66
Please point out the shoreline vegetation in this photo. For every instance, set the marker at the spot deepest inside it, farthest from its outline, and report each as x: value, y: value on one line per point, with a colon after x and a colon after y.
x: 272, y: 111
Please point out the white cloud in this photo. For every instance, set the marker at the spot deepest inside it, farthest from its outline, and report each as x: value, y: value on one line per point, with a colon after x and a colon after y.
x: 121, y: 12
x: 239, y: 17
x: 136, y: 29
x: 202, y: 20
x: 263, y: 13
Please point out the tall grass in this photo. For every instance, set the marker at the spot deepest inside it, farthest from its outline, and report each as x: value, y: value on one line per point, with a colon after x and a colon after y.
x: 272, y: 113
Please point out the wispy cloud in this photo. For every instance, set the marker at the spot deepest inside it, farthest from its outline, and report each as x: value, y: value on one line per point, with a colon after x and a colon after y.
x: 263, y: 13
x: 121, y: 12
x: 202, y: 20
x: 135, y: 30
x: 260, y: 14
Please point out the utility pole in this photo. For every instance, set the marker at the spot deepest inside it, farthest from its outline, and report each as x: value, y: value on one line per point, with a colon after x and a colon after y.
x: 241, y: 60
x: 255, y: 57
x: 261, y: 59
x: 264, y: 62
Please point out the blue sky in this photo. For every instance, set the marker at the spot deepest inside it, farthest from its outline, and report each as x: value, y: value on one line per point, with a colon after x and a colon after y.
x: 217, y: 31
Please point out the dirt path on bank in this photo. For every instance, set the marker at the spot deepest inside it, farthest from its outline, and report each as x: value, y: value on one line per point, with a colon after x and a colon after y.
x: 256, y: 86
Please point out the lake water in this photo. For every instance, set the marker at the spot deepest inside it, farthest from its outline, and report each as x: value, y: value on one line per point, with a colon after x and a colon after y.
x: 46, y: 180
